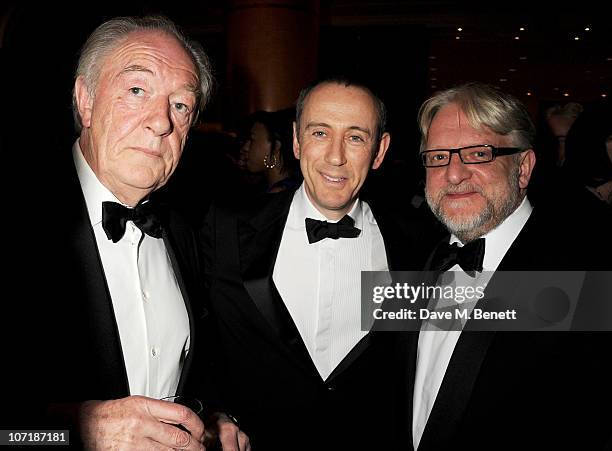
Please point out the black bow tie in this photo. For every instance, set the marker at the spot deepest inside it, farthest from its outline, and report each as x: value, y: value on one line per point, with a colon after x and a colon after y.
x: 469, y: 257
x: 317, y: 230
x: 115, y: 216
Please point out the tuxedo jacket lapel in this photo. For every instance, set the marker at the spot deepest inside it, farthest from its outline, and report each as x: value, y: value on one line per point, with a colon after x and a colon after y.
x: 456, y: 390
x: 98, y: 307
x: 259, y: 241
x: 405, y: 354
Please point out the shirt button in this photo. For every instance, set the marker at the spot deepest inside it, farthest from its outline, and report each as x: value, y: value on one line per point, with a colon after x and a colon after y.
x: 145, y: 295
x: 154, y: 352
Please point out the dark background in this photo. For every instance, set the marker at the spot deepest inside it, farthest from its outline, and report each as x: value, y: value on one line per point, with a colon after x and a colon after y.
x: 405, y: 49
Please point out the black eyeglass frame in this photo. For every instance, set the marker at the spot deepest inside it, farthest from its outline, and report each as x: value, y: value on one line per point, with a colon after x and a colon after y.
x: 496, y: 151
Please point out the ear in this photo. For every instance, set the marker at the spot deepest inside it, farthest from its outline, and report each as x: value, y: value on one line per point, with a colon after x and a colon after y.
x: 83, y: 100
x: 526, y: 165
x: 382, y: 150
x: 296, y: 143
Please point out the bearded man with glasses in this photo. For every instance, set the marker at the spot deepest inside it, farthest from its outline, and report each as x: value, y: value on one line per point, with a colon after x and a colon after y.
x: 497, y: 389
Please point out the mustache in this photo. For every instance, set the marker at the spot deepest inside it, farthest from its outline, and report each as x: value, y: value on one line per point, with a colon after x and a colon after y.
x: 461, y: 189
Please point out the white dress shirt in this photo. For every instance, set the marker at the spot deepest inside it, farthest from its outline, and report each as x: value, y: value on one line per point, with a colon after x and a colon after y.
x: 320, y: 283
x: 435, y: 348
x: 149, y: 309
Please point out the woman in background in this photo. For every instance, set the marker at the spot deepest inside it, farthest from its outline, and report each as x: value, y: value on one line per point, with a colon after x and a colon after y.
x: 267, y: 149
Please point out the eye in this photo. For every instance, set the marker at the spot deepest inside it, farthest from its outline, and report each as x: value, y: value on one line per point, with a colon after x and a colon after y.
x: 182, y: 108
x: 438, y: 157
x: 319, y: 133
x: 137, y: 91
x: 356, y: 139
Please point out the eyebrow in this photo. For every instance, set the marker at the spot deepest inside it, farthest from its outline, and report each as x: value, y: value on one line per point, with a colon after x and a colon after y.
x: 353, y: 127
x: 137, y: 68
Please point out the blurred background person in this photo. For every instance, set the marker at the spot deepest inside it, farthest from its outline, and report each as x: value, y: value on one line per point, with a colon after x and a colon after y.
x: 266, y: 150
x: 559, y: 120
x: 553, y: 124
x: 588, y: 153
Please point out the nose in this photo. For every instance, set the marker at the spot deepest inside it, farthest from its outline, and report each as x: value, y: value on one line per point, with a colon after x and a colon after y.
x: 158, y: 119
x: 335, y: 153
x: 456, y: 171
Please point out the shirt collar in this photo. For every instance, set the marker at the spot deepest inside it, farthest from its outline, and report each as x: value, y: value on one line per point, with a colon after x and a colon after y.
x: 93, y: 190
x: 303, y: 208
x: 499, y: 240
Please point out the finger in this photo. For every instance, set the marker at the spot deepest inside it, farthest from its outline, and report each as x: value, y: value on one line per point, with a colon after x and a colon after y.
x: 243, y: 441
x: 172, y: 436
x: 170, y: 412
x: 229, y: 436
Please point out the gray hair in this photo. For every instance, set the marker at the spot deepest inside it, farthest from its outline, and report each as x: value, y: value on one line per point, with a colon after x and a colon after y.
x: 483, y: 105
x: 112, y: 33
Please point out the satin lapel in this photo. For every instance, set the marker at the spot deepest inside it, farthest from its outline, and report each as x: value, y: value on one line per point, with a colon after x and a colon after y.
x: 259, y: 241
x: 457, y: 384
x: 354, y: 353
x: 456, y: 389
x: 99, y: 312
x: 192, y: 330
x: 408, y: 346
x: 520, y: 256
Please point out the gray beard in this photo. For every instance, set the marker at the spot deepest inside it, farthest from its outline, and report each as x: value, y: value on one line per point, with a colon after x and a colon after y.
x: 469, y: 229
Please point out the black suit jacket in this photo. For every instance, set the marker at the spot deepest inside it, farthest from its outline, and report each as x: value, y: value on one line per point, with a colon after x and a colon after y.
x: 521, y: 390
x: 272, y: 385
x: 64, y: 343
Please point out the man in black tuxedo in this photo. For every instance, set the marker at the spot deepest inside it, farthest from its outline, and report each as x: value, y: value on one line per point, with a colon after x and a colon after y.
x: 488, y: 389
x: 284, y: 280
x: 108, y: 327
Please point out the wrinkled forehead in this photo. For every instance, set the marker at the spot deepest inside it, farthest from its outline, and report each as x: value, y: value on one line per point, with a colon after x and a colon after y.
x: 149, y: 47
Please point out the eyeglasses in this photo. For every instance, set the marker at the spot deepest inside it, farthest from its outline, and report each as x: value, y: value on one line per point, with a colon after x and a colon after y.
x: 478, y: 154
